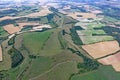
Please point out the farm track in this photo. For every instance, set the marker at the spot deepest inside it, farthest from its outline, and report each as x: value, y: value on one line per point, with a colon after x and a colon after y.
x: 49, y: 70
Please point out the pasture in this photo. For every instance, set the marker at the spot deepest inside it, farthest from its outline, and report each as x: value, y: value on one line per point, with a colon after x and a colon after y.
x: 100, y: 74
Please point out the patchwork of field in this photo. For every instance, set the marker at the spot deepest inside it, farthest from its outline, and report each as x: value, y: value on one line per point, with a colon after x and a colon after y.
x: 13, y: 29
x: 0, y: 53
x: 89, y: 35
x: 113, y: 60
x: 103, y: 73
x: 101, y: 49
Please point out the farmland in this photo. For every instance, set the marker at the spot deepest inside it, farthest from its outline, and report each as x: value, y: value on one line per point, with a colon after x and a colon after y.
x: 112, y: 60
x: 100, y: 74
x: 101, y: 49
x: 58, y: 40
x: 11, y: 29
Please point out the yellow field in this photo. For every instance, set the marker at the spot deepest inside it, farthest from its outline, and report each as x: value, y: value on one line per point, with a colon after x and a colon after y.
x: 113, y: 60
x: 11, y: 28
x: 43, y: 12
x: 21, y: 25
x: 8, y: 17
x: 76, y: 15
x: 101, y: 49
x: 1, y: 54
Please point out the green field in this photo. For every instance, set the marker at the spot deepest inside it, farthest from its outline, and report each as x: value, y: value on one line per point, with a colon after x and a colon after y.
x: 3, y: 33
x: 96, y: 24
x: 35, y: 41
x: 95, y: 39
x: 61, y: 71
x: 92, y: 32
x: 90, y: 35
x: 103, y: 73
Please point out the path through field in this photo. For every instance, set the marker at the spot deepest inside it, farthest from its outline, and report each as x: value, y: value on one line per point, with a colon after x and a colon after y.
x: 49, y: 70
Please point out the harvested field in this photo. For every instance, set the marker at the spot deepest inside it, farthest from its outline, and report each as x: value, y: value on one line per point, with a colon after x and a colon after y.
x: 113, y: 60
x: 42, y: 26
x: 11, y: 28
x: 1, y: 54
x: 8, y: 17
x: 43, y: 12
x: 96, y: 12
x: 101, y: 49
x: 21, y: 25
x: 77, y: 15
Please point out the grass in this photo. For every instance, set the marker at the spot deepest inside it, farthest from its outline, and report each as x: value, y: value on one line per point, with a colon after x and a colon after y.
x: 110, y: 19
x: 95, y: 25
x: 37, y: 67
x: 6, y: 63
x: 35, y: 41
x: 91, y: 32
x: 103, y: 73
x: 90, y: 35
x: 52, y: 45
x: 3, y: 32
x: 60, y: 72
x: 94, y: 39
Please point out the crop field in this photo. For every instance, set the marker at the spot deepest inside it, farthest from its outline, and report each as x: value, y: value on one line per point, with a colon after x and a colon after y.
x: 43, y: 12
x: 113, y: 60
x: 95, y: 39
x: 82, y: 15
x: 101, y: 49
x: 8, y: 17
x: 21, y: 25
x: 100, y: 74
x: 93, y: 36
x: 90, y: 32
x: 89, y: 35
x: 1, y: 54
x: 11, y: 28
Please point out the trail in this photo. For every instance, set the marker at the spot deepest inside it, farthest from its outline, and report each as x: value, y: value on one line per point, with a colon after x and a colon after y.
x: 49, y: 70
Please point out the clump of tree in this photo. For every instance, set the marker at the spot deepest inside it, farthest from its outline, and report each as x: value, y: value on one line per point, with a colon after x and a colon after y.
x: 16, y: 57
x: 75, y: 36
x: 11, y: 41
x: 88, y: 64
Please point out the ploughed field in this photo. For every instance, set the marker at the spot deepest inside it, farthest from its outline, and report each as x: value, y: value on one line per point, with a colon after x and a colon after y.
x: 101, y: 49
x: 113, y: 60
